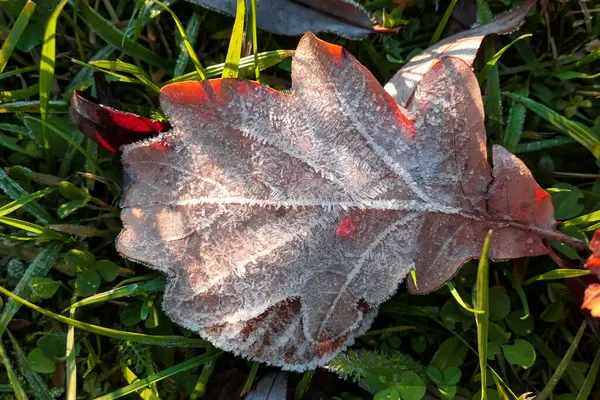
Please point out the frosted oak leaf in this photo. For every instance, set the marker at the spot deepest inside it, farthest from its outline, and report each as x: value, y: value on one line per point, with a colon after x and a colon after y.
x: 282, y: 221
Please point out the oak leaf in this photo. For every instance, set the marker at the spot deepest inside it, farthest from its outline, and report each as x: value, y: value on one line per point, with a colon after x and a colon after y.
x: 283, y: 220
x: 463, y: 45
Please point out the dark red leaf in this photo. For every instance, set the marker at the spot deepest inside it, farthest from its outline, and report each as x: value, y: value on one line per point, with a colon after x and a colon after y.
x: 109, y: 127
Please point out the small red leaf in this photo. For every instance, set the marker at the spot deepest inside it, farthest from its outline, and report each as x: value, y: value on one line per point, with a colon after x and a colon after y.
x: 109, y: 127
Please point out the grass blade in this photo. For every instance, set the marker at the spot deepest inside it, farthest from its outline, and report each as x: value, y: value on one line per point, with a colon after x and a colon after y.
x: 492, y: 61
x: 116, y: 38
x: 184, y: 366
x: 557, y: 274
x: 12, y: 376
x: 21, y: 94
x: 69, y: 140
x: 482, y: 303
x: 265, y: 60
x: 70, y: 359
x: 191, y: 33
x: 442, y: 25
x: 516, y: 119
x: 202, y: 383
x: 459, y: 299
x: 232, y: 61
x: 562, y: 367
x: 569, y: 128
x: 18, y: 71
x: 590, y: 379
x: 131, y: 377
x: 15, y: 33
x: 16, y: 192
x: 186, y: 41
x: 36, y: 383
x: 252, y: 20
x: 15, y: 205
x: 38, y: 267
x: 128, y: 68
x: 47, y: 64
x: 157, y: 340
x: 135, y: 289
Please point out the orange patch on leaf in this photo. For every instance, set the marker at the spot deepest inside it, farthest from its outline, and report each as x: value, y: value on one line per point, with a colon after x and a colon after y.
x: 540, y: 194
x: 591, y: 301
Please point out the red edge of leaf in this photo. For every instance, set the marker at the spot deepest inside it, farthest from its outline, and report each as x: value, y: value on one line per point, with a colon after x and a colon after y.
x: 110, y: 127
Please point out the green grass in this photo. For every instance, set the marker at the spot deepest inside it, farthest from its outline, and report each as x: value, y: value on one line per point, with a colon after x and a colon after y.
x: 79, y: 321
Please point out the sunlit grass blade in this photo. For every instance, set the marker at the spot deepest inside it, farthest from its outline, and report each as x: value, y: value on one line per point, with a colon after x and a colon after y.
x: 20, y: 94
x: 111, y: 72
x: 442, y: 25
x: 10, y: 42
x: 266, y: 60
x: 253, y: 29
x: 516, y: 119
x: 234, y: 52
x: 44, y: 233
x: 569, y: 128
x: 128, y: 68
x: 13, y: 378
x: 483, y: 75
x: 557, y: 274
x: 40, y: 266
x: 184, y: 366
x: 207, y: 371
x: 590, y: 379
x: 562, y: 367
x: 131, y: 377
x: 47, y: 64
x: 36, y: 383
x: 16, y: 192
x: 459, y: 299
x: 69, y: 140
x: 70, y: 359
x: 16, y: 204
x: 135, y: 289
x: 116, y: 38
x: 157, y: 340
x: 482, y: 304
x: 191, y: 32
x: 186, y: 41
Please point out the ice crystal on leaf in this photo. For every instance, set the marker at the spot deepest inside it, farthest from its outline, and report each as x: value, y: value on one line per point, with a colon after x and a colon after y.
x: 283, y: 220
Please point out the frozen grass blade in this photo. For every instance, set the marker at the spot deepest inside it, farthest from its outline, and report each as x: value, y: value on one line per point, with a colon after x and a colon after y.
x: 12, y: 376
x: 543, y: 144
x: 482, y: 304
x: 157, y: 340
x: 516, y: 119
x: 442, y: 25
x: 186, y: 41
x: 47, y: 65
x: 266, y: 60
x: 191, y: 32
x: 16, y: 192
x: 23, y: 201
x: 491, y: 63
x: 557, y: 274
x: 575, y: 131
x: 116, y: 38
x: 590, y: 379
x: 36, y: 383
x: 232, y: 61
x: 38, y: 267
x: 184, y: 366
x: 562, y: 367
x: 15, y: 33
